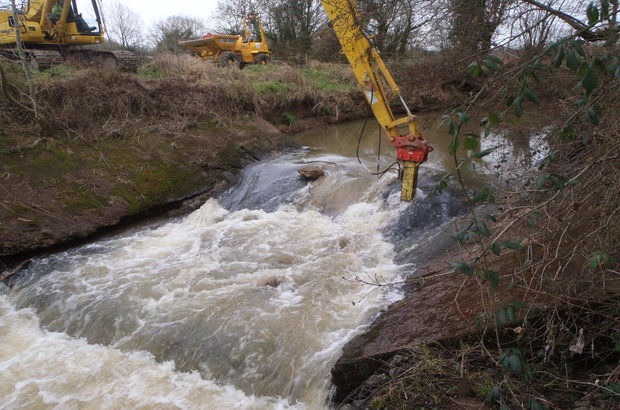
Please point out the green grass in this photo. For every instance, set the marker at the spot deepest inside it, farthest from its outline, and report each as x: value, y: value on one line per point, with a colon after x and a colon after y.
x: 271, y: 87
x: 325, y: 80
x: 57, y: 71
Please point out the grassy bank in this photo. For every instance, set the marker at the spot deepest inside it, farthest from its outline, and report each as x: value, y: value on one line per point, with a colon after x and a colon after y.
x: 124, y: 143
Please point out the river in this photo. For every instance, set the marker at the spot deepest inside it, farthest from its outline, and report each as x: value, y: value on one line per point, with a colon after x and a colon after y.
x: 243, y: 304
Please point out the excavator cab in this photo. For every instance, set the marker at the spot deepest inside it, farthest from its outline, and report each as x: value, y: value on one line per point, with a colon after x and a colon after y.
x: 84, y: 14
x: 253, y: 29
x: 44, y: 23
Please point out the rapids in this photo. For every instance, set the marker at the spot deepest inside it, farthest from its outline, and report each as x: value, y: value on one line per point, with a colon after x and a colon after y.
x: 243, y: 304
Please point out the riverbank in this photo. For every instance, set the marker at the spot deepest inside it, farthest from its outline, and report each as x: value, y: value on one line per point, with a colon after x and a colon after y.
x: 523, y: 313
x: 124, y: 145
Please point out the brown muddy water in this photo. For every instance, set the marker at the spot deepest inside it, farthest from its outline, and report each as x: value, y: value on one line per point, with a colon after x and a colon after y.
x: 243, y: 304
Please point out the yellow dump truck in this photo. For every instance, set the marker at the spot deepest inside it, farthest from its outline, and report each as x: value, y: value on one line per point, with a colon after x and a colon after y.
x: 228, y: 50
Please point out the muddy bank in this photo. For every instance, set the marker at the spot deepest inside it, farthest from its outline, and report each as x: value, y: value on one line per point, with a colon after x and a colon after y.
x: 57, y: 191
x: 446, y: 307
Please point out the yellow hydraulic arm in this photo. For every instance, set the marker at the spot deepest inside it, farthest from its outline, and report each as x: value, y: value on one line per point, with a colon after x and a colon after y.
x: 379, y: 88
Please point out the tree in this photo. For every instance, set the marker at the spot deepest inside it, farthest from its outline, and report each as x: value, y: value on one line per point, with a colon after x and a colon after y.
x: 167, y: 33
x: 124, y: 25
x: 605, y: 29
x: 393, y: 24
x: 474, y: 23
x: 230, y: 14
x: 295, y: 22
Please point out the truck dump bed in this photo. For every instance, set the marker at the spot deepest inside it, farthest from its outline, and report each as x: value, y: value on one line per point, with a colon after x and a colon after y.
x: 212, y: 44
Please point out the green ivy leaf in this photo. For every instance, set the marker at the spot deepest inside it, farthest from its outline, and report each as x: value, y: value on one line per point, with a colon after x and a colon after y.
x: 578, y: 45
x: 592, y: 13
x: 612, y: 390
x: 463, y: 118
x: 510, y: 314
x: 490, y: 64
x: 483, y: 229
x: 516, y: 304
x: 501, y: 316
x: 600, y: 258
x: 495, y: 59
x: 474, y: 69
x: 463, y: 267
x: 604, y: 9
x: 572, y: 61
x: 518, y: 106
x: 496, y: 248
x: 438, y: 189
x: 590, y: 81
x: 493, y: 279
x: 529, y: 94
x: 453, y: 129
x: 495, y: 395
x: 484, y: 153
x: 593, y: 115
x: 514, y: 363
x: 512, y: 245
x: 559, y: 57
x: 532, y: 74
x: 470, y: 143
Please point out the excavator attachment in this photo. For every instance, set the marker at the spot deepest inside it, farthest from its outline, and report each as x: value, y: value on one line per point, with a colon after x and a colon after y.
x: 409, y: 180
x: 411, y: 151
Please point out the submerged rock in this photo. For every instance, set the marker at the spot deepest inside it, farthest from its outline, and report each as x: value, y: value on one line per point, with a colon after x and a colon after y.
x: 311, y: 172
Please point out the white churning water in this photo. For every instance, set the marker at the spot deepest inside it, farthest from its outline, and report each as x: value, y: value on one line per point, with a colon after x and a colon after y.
x: 244, y: 309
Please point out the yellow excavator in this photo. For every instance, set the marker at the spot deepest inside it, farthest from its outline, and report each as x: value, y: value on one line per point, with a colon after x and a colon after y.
x: 229, y: 50
x: 51, y: 31
x: 380, y: 90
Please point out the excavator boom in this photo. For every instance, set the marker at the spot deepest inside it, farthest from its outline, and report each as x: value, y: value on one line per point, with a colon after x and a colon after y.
x: 380, y: 89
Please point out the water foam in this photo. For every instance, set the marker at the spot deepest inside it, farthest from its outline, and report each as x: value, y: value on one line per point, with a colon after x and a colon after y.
x: 258, y: 300
x: 42, y: 369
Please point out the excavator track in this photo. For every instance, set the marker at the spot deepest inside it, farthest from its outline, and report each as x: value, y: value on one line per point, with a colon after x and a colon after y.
x: 123, y: 60
x: 126, y: 61
x: 41, y: 60
x: 37, y: 59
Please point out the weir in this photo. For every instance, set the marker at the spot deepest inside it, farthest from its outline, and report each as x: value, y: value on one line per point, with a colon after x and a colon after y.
x: 245, y: 303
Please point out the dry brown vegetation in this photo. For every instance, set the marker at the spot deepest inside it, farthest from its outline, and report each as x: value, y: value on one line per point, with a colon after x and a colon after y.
x: 172, y: 94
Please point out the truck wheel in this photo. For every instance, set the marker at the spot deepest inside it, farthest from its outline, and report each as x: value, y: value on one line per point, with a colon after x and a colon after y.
x: 261, y: 59
x: 228, y: 59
